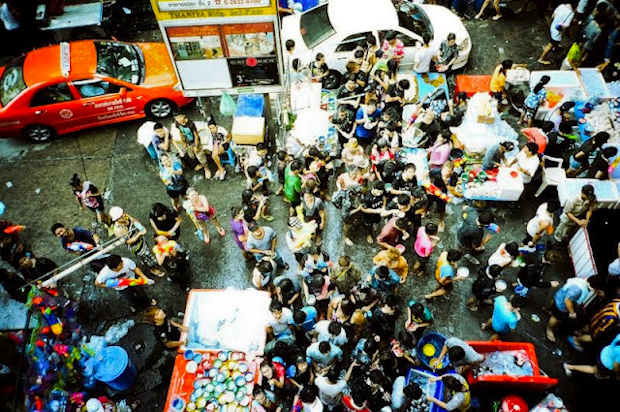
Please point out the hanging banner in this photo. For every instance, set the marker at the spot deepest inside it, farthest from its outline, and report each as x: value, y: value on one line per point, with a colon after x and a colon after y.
x: 227, y: 52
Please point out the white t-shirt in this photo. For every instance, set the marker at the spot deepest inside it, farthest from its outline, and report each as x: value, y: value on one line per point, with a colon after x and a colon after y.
x: 529, y: 164
x: 127, y: 272
x: 563, y: 15
x: 10, y: 22
x: 330, y: 393
x: 283, y: 325
x: 423, y: 58
x: 315, y: 406
x: 323, y: 334
x: 542, y: 216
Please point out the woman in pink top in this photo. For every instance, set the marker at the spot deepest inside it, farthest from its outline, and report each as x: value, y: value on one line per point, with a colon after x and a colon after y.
x: 425, y: 241
x: 439, y: 152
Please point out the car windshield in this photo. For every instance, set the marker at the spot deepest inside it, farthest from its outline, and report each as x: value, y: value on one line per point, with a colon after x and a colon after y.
x: 413, y: 18
x: 12, y: 81
x: 121, y: 61
x: 315, y: 26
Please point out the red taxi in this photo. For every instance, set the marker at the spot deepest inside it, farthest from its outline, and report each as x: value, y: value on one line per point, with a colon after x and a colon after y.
x: 73, y: 86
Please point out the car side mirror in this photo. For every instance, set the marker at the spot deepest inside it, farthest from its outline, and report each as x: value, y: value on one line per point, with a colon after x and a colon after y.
x: 123, y: 91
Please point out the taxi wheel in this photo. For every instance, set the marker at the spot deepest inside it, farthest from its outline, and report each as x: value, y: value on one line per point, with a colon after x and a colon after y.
x: 39, y: 133
x: 160, y: 108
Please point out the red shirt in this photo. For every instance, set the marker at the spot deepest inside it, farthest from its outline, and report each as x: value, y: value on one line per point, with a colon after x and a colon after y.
x: 349, y: 406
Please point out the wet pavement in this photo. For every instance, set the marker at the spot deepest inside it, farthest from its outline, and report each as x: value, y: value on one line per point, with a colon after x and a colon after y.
x: 111, y: 158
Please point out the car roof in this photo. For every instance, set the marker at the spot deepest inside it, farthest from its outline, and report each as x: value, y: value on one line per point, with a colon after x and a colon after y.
x: 354, y: 16
x: 42, y: 65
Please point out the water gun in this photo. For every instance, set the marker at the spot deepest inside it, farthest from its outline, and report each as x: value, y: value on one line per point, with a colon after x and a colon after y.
x: 167, y: 247
x: 120, y: 282
x: 435, y: 191
x: 308, y: 230
x: 493, y: 227
x: 14, y: 229
x: 79, y: 247
x: 460, y: 162
x: 610, y: 169
x: 52, y: 320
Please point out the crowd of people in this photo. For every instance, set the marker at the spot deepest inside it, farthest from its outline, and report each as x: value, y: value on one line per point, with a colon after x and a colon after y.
x: 334, y: 337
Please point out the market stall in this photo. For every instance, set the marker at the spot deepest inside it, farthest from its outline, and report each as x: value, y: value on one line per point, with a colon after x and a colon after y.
x: 217, y: 367
x: 505, y: 185
x: 482, y: 126
x: 509, y: 365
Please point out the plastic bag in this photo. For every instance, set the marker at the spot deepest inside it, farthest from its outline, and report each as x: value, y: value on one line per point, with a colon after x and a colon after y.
x: 227, y: 105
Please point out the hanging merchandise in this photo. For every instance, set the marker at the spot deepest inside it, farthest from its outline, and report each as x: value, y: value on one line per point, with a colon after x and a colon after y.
x: 227, y: 105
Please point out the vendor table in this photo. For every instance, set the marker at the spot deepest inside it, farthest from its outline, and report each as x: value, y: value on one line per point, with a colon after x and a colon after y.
x: 508, y: 187
x: 535, y: 382
x: 472, y: 84
x: 606, y: 191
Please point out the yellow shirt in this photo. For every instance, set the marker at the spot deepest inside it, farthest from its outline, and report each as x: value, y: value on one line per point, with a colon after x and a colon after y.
x: 498, y: 80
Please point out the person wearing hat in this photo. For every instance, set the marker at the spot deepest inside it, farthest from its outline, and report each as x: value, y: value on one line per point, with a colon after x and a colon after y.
x: 128, y: 226
x: 577, y: 213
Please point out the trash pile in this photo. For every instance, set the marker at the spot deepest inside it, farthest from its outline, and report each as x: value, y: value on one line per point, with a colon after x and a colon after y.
x: 511, y: 363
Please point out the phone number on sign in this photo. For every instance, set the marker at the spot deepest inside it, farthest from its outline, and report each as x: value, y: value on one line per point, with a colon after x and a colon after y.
x: 208, y: 4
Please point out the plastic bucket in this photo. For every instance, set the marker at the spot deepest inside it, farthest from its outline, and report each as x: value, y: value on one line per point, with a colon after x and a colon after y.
x: 113, y: 366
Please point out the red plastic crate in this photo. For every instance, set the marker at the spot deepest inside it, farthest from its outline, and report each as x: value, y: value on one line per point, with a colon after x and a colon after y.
x: 534, y: 383
x: 472, y: 84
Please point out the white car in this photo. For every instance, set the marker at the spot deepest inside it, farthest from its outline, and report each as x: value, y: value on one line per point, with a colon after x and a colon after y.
x: 336, y: 28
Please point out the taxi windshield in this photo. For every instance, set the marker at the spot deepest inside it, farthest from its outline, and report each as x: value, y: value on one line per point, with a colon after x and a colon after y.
x: 121, y: 61
x: 12, y: 81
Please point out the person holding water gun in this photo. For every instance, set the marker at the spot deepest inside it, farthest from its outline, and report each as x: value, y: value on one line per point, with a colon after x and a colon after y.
x: 123, y: 270
x: 77, y: 240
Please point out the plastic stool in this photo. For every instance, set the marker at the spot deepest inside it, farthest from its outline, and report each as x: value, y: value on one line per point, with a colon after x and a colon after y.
x: 230, y: 158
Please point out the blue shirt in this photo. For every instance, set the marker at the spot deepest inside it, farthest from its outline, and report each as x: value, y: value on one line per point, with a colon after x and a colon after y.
x: 504, y: 319
x: 384, y: 285
x: 360, y: 130
x: 611, y: 353
x: 570, y: 292
x: 533, y: 100
x: 323, y: 360
x: 311, y: 315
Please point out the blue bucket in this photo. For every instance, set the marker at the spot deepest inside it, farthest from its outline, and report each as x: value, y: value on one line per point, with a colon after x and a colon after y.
x: 113, y: 366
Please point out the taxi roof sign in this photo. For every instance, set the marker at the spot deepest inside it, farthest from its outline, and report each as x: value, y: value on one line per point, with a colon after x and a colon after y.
x: 65, y: 59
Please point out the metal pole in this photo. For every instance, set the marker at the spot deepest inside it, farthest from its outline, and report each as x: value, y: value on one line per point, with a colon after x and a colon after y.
x: 83, y: 263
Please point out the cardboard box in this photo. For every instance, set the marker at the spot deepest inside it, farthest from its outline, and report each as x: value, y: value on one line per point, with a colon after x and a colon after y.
x: 248, y: 130
x: 486, y: 119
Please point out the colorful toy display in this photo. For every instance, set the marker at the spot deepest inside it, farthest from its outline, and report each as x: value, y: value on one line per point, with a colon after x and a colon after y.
x: 213, y: 381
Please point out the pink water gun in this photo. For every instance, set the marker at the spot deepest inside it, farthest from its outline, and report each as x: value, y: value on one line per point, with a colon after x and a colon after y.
x: 79, y: 247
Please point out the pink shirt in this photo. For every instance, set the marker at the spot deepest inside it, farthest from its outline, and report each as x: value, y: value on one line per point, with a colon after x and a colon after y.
x: 423, y: 244
x: 439, y: 154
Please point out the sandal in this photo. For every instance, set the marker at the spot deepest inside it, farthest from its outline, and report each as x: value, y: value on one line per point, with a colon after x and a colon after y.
x: 268, y: 218
x: 158, y: 273
x: 221, y: 231
x: 550, y: 335
x: 207, y: 238
x: 545, y: 62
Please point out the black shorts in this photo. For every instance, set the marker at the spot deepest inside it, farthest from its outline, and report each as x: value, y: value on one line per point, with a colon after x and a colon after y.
x: 353, y: 220
x: 448, y: 286
x: 295, y: 203
x: 371, y: 219
x: 602, y: 369
x: 555, y: 43
x: 176, y: 193
x: 557, y: 313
